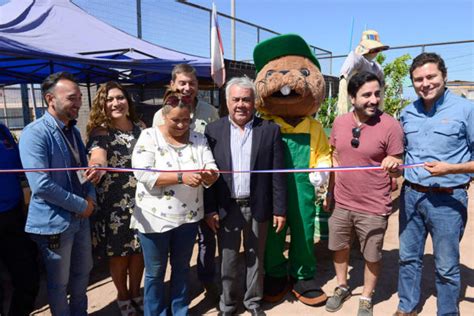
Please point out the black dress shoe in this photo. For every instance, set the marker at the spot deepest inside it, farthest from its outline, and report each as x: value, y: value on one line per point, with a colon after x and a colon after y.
x: 256, y: 311
x: 225, y: 314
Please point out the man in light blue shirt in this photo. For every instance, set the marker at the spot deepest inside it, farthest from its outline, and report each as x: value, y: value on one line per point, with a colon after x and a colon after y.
x: 61, y: 201
x: 439, y: 131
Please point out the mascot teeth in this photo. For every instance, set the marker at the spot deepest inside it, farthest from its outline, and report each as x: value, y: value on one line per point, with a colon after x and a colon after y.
x: 285, y: 90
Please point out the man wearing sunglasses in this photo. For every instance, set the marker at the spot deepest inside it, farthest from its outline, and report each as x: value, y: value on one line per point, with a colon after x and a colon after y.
x: 361, y: 200
x: 183, y: 79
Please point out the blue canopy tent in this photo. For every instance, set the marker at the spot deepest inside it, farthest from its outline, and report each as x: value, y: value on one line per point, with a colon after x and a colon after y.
x: 41, y: 37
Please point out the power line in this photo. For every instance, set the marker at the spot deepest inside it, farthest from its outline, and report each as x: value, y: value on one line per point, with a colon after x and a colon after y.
x: 410, y: 46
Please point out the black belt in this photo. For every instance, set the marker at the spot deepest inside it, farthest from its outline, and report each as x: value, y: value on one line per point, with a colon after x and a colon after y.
x: 423, y: 189
x: 245, y: 202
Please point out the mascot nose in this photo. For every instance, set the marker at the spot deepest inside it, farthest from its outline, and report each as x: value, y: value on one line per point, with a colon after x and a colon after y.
x: 284, y: 72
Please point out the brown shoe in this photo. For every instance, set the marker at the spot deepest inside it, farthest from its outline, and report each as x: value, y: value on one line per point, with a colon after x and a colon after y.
x: 399, y: 313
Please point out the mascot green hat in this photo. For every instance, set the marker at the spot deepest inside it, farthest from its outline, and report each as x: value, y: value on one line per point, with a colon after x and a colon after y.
x: 282, y: 45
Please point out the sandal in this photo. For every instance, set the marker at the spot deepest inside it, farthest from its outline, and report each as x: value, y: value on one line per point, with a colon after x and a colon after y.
x: 308, y: 293
x: 126, y: 308
x: 137, y: 302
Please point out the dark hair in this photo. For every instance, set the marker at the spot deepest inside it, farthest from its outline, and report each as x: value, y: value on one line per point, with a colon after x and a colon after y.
x: 182, y: 68
x: 425, y: 58
x: 358, y: 80
x: 52, y: 80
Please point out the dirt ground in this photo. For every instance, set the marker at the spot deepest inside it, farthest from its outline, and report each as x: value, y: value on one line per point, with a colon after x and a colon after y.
x: 102, y: 293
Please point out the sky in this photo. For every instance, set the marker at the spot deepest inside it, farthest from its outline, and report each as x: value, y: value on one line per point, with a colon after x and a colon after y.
x: 323, y: 23
x: 328, y: 24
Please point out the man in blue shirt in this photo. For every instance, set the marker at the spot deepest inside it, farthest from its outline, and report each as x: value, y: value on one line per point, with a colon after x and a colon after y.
x: 439, y: 131
x: 61, y: 201
x: 17, y: 251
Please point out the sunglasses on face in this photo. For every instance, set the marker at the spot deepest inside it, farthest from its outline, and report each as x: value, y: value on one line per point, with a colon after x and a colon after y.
x: 355, y: 137
x: 175, y: 100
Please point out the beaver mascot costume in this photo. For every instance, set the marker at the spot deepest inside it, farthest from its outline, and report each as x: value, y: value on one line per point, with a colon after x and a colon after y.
x: 290, y: 89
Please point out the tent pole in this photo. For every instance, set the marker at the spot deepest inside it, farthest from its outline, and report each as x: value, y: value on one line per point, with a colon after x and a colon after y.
x: 5, y: 107
x: 89, y: 93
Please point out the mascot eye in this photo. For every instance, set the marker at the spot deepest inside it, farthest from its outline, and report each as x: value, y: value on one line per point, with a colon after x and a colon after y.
x: 269, y: 73
x: 305, y: 72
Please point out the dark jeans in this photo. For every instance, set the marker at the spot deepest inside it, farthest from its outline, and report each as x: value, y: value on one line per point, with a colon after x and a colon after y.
x: 19, y: 254
x: 206, y: 266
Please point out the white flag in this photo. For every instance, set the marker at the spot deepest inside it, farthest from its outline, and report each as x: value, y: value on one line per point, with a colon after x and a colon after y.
x: 217, y: 51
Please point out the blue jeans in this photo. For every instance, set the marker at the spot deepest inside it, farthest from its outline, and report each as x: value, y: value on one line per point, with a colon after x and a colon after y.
x: 68, y: 266
x: 178, y: 245
x: 444, y: 217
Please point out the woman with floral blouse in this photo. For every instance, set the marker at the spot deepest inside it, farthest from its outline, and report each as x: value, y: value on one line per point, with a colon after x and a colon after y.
x: 113, y: 130
x: 169, y: 204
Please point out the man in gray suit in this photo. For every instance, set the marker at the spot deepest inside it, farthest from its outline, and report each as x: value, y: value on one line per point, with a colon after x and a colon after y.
x: 242, y: 202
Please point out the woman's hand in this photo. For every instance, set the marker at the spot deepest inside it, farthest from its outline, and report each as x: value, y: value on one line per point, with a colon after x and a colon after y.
x: 192, y: 179
x: 209, y: 177
x: 93, y: 175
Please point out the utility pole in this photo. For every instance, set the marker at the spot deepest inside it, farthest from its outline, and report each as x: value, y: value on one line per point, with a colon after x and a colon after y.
x: 232, y: 29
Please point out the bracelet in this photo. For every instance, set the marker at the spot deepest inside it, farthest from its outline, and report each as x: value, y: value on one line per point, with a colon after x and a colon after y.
x: 328, y: 194
x: 180, y: 177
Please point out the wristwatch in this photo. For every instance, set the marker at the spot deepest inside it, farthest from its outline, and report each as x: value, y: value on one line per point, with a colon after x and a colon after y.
x: 180, y: 177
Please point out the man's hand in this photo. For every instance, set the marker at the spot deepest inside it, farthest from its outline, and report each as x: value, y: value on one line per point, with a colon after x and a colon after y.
x: 209, y: 177
x: 89, y: 209
x: 213, y: 222
x: 391, y: 164
x: 279, y: 223
x: 438, y: 168
x: 192, y: 179
x: 328, y: 203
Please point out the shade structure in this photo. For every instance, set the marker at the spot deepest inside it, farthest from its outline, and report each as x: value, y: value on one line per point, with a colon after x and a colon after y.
x: 38, y: 37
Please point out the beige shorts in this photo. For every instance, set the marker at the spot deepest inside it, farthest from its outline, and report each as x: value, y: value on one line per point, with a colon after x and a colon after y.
x: 370, y: 230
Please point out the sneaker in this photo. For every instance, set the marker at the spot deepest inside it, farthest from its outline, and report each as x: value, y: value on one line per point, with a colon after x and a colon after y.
x: 365, y: 308
x: 334, y: 303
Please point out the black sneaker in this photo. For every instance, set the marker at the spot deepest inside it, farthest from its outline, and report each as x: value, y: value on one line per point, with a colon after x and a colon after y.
x: 334, y: 303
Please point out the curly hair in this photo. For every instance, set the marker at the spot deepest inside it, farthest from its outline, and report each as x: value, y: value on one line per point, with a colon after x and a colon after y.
x: 98, y: 116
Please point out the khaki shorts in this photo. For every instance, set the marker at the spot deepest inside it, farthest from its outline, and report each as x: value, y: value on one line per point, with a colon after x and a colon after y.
x: 370, y: 230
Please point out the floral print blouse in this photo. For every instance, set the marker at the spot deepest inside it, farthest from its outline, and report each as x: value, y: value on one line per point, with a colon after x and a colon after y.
x: 160, y: 209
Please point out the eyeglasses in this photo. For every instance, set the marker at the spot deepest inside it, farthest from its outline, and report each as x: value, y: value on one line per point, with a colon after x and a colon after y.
x: 355, y: 137
x: 174, y: 100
